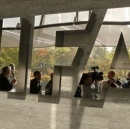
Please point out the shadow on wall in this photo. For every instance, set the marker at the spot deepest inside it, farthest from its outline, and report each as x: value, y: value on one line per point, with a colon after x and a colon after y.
x: 113, y: 95
x: 15, y: 95
x: 48, y: 99
x: 83, y: 102
x: 91, y: 103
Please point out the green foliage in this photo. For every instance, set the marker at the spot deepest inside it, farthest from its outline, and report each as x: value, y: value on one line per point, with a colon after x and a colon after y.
x: 44, y: 59
x: 51, y: 56
x: 102, y: 57
x: 64, y: 56
x: 9, y: 55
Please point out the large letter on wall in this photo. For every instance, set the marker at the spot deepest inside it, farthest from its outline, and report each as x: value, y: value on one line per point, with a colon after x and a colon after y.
x: 25, y: 52
x: 69, y: 77
x: 121, y: 58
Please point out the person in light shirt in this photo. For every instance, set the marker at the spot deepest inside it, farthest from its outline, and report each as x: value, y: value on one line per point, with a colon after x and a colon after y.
x: 88, y: 88
x: 105, y: 84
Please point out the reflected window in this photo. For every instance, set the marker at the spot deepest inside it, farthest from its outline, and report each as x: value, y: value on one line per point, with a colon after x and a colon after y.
x: 118, y: 14
x: 83, y: 16
x: 37, y: 20
x: 11, y: 22
x: 59, y: 18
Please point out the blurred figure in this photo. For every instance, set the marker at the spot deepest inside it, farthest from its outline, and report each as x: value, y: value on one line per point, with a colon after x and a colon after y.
x: 127, y: 84
x: 48, y: 88
x: 36, y: 83
x: 88, y: 88
x: 12, y: 74
x: 5, y: 84
x: 78, y: 92
x: 12, y: 70
x: 107, y: 83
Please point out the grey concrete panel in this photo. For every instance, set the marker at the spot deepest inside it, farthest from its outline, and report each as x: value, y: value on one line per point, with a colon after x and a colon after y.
x: 20, y: 8
x: 9, y: 110
x: 77, y: 58
x: 121, y: 58
x: 91, y: 22
x: 93, y: 103
x: 3, y: 95
x: 45, y: 124
x: 59, y: 39
x: 32, y: 97
x: 118, y: 125
x: 56, y: 81
x: 67, y: 114
x: 48, y: 99
x: 7, y: 124
x: 24, y: 126
x: 25, y: 53
x: 13, y: 95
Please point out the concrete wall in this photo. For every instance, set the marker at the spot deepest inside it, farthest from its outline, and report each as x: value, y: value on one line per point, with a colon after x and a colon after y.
x: 21, y: 8
x: 20, y: 111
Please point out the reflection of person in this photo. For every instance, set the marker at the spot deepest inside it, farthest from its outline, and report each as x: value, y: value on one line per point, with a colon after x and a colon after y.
x: 78, y: 92
x: 12, y: 75
x: 86, y: 88
x: 48, y: 88
x: 12, y: 69
x: 35, y: 84
x: 127, y: 84
x: 107, y: 83
x: 5, y: 84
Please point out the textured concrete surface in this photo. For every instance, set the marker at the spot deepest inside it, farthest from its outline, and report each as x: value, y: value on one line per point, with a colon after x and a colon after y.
x: 45, y: 112
x: 21, y: 8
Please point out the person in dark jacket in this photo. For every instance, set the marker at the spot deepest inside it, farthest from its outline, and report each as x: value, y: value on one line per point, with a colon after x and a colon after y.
x: 48, y: 88
x: 35, y: 84
x: 5, y: 84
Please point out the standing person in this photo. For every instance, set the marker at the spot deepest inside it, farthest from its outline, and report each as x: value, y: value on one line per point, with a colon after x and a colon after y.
x: 107, y: 83
x: 88, y: 88
x: 5, y: 84
x: 48, y: 88
x: 35, y: 84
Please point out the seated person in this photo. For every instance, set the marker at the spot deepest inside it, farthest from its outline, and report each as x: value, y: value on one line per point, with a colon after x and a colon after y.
x: 88, y: 88
x: 12, y: 74
x: 127, y: 84
x: 35, y: 84
x: 5, y: 84
x: 107, y: 83
x: 48, y: 88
